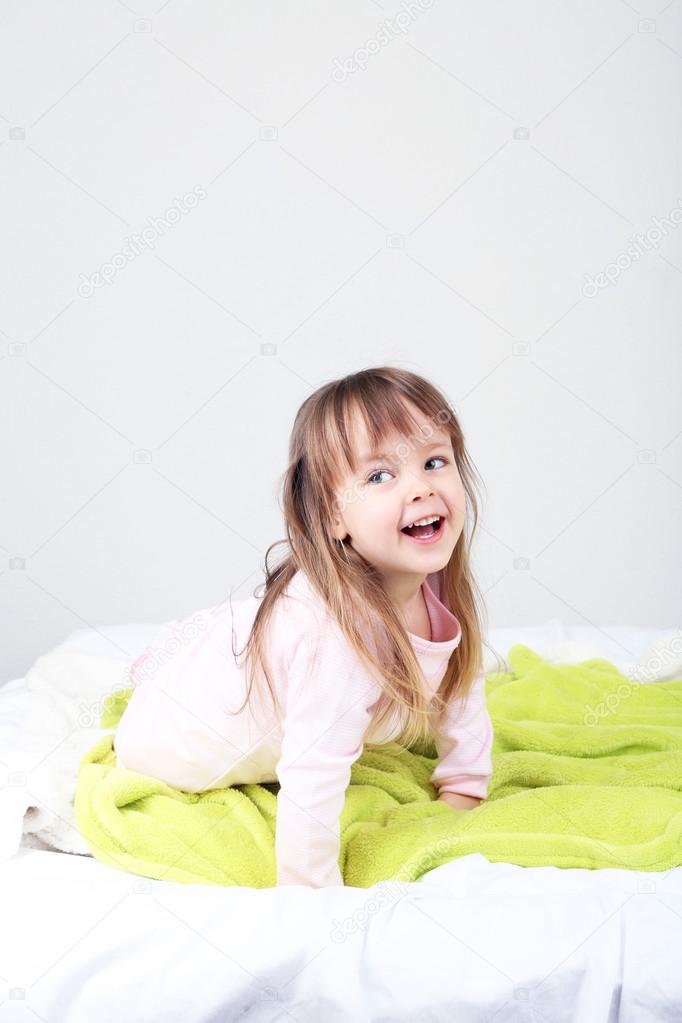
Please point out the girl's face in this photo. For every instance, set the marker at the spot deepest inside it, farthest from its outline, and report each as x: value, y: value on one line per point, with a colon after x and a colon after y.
x: 415, y: 477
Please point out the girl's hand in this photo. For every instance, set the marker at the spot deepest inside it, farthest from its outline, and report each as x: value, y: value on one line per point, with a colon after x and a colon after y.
x: 458, y: 802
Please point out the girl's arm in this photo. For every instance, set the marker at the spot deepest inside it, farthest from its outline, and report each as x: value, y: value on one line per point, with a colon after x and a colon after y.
x: 327, y: 712
x: 464, y: 740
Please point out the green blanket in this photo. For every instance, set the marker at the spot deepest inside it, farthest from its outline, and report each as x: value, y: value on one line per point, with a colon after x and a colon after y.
x: 587, y: 773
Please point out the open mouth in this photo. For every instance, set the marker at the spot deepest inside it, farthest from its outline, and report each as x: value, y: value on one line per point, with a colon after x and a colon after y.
x: 425, y: 534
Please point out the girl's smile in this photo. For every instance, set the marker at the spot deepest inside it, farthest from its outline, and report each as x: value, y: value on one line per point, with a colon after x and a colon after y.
x: 425, y: 534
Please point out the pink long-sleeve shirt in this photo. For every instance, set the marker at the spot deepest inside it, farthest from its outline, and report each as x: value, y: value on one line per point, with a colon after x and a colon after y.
x: 176, y: 726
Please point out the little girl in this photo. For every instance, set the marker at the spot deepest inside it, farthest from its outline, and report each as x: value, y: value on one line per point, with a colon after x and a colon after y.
x: 355, y: 633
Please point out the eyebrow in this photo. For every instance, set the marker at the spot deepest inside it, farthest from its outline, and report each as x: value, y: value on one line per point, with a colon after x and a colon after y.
x: 376, y: 455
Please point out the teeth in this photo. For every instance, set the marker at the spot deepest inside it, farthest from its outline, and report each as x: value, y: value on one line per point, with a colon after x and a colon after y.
x: 425, y: 522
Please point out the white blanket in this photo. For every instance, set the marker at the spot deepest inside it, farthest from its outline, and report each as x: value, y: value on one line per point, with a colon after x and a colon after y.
x: 39, y: 770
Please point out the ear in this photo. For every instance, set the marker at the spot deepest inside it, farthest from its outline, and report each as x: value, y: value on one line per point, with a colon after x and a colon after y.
x: 339, y: 530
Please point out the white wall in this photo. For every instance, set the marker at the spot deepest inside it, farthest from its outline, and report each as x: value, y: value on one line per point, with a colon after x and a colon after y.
x: 438, y: 207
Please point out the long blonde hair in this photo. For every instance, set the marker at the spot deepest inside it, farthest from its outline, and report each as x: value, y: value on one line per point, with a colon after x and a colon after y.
x: 321, y: 454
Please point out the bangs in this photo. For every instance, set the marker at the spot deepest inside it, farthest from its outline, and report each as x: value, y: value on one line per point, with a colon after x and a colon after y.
x: 383, y: 411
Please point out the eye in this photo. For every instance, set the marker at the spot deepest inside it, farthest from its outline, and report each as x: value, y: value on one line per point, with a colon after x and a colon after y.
x: 378, y: 472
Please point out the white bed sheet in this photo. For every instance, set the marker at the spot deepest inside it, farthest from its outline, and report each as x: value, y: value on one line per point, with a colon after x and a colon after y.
x: 470, y: 940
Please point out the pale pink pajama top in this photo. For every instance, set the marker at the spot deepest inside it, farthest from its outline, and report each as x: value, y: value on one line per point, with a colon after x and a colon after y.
x: 177, y: 726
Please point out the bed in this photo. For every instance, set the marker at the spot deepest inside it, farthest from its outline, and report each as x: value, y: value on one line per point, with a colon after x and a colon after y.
x: 471, y: 939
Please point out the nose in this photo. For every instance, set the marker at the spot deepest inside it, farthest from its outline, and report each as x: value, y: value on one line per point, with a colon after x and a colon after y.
x: 419, y: 488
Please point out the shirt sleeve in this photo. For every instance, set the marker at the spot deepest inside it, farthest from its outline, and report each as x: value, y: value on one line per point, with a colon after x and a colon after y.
x: 464, y: 739
x: 329, y: 701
